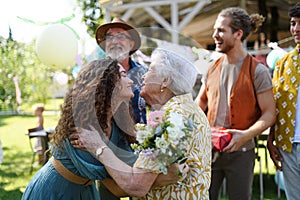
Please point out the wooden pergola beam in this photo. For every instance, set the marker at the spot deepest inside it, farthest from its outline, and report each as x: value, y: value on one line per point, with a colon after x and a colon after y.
x: 174, y: 27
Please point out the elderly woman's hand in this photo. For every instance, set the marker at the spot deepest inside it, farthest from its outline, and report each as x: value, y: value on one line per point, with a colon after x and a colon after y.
x: 173, y: 175
x: 90, y: 139
x: 75, y: 141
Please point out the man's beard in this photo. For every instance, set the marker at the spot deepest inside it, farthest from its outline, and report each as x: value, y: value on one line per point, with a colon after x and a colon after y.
x: 117, y: 52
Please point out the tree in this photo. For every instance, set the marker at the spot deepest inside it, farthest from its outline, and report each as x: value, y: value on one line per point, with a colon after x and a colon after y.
x: 92, y: 15
x: 10, y: 67
x: 19, y: 62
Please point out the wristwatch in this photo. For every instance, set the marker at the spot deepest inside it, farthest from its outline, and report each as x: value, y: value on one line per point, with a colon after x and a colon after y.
x: 99, y: 151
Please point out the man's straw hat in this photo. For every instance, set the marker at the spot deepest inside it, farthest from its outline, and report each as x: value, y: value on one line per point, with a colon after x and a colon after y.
x: 118, y: 23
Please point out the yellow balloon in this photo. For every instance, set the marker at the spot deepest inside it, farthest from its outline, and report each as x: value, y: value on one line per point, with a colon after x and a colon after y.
x: 57, y: 46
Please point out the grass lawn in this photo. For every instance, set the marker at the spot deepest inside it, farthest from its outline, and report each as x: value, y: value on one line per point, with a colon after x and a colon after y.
x: 14, y: 171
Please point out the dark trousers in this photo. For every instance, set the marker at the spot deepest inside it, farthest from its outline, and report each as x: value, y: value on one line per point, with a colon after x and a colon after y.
x: 238, y: 169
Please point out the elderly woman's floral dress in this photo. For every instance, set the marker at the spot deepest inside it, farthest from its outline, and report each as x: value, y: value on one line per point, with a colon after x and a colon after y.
x: 197, y: 182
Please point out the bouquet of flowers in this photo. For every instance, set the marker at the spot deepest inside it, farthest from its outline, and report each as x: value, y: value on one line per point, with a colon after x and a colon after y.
x: 165, y: 138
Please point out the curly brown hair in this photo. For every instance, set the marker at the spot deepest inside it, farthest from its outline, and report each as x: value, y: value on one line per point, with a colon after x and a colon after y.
x: 89, y: 101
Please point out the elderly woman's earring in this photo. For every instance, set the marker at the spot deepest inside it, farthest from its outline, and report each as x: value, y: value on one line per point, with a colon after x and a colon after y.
x: 161, y: 90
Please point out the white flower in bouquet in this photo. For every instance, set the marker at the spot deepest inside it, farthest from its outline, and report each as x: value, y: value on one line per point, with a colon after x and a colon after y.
x: 176, y: 119
x: 161, y: 143
x: 175, y: 134
x: 144, y: 133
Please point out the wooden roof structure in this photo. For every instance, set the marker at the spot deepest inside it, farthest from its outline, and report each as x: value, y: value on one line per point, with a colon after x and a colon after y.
x: 195, y: 18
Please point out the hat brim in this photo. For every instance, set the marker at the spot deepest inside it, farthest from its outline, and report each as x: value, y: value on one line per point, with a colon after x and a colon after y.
x: 102, y: 30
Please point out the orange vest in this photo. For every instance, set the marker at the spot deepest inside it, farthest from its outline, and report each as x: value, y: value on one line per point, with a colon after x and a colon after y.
x: 243, y: 110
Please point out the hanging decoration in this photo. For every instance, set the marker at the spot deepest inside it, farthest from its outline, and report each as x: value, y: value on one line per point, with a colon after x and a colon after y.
x: 57, y: 45
x: 274, y: 55
x: 75, y: 71
x: 61, y: 78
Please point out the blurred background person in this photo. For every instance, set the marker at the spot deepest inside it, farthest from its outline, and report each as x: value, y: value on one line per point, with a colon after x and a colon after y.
x: 41, y: 143
x: 261, y: 46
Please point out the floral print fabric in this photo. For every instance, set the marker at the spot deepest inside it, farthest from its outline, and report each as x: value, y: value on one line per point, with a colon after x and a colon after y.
x: 286, y: 81
x: 197, y: 182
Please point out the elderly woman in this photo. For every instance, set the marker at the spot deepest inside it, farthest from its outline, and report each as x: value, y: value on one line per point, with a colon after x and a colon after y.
x: 166, y: 86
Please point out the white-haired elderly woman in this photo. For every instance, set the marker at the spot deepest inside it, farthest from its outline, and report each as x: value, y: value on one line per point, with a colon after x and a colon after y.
x: 166, y: 86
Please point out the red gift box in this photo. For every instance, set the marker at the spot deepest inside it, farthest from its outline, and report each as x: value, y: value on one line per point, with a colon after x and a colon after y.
x: 219, y: 139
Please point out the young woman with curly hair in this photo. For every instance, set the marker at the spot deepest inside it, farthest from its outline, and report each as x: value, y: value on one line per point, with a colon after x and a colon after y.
x: 100, y: 96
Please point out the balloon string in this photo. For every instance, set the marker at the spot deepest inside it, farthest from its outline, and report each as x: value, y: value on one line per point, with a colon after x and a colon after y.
x: 60, y: 21
x: 77, y: 36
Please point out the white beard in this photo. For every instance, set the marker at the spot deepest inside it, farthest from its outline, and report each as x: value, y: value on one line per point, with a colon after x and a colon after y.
x: 117, y: 52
